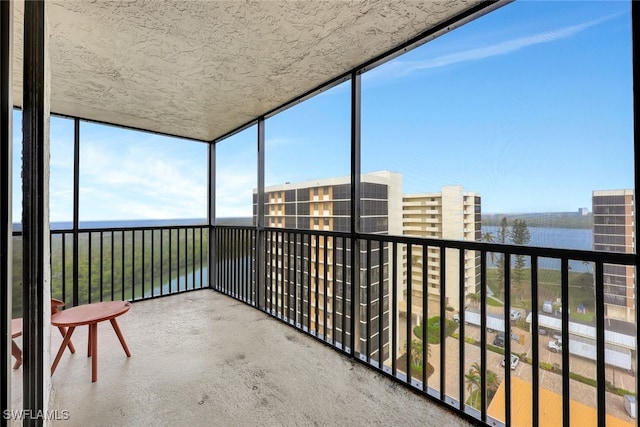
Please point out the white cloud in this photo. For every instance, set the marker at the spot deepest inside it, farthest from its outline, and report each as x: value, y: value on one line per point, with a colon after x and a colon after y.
x: 403, y: 68
x: 141, y: 181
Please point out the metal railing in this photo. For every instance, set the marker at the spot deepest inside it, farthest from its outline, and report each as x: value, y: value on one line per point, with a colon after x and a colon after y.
x: 365, y: 295
x: 121, y: 263
x: 307, y: 277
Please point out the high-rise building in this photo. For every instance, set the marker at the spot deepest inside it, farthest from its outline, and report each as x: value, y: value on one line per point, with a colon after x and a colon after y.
x: 614, y: 231
x: 449, y: 214
x: 325, y: 205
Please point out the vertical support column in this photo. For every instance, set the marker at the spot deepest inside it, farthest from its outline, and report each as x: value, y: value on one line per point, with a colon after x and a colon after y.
x: 6, y: 173
x: 35, y: 214
x: 355, y: 211
x: 260, y: 234
x: 76, y: 207
x: 211, y: 214
x: 635, y: 42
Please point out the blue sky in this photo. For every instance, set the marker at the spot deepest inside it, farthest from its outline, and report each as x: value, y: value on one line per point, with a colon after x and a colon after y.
x: 529, y: 106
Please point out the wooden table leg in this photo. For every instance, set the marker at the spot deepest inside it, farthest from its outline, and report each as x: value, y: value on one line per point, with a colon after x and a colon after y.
x: 93, y: 328
x: 120, y: 337
x: 89, y: 343
x: 70, y: 345
x: 65, y: 341
x: 17, y: 353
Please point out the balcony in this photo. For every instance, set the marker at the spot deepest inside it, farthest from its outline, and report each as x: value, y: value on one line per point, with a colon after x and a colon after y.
x: 195, y: 341
x: 200, y: 358
x: 261, y: 324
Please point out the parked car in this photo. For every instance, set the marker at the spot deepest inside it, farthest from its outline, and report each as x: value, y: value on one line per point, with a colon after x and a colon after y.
x: 456, y: 317
x: 555, y: 345
x: 499, y: 340
x: 515, y: 315
x: 514, y: 361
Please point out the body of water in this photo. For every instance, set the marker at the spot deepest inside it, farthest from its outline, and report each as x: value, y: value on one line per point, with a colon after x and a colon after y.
x: 182, y: 282
x: 551, y: 237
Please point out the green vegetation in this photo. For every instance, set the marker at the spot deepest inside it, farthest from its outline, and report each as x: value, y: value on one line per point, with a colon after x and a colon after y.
x: 433, y: 329
x: 473, y: 382
x: 580, y: 290
x: 111, y: 265
x: 494, y: 302
x: 520, y: 236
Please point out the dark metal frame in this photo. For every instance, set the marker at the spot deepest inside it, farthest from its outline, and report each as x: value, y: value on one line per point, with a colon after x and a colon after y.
x: 6, y: 176
x: 35, y: 166
x: 635, y: 42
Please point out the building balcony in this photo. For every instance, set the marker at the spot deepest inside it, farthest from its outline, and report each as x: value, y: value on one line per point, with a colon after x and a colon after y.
x: 199, y: 359
x: 186, y: 348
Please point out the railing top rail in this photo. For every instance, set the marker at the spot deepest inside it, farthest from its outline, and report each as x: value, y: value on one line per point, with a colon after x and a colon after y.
x: 571, y: 254
x: 16, y: 233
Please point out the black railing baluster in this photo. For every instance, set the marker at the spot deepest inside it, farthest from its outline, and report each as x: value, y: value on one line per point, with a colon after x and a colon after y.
x: 153, y: 263
x: 324, y: 296
x: 64, y: 270
x: 101, y: 265
x: 443, y: 319
x: 122, y: 240
x: 507, y: 339
x: 333, y: 290
x: 308, y: 268
x: 170, y: 261
x: 178, y: 258
x: 601, y: 408
x: 133, y: 264
x: 461, y: 338
x: 483, y: 334
x: 566, y: 393
x: 368, y: 316
x: 344, y: 293
x: 143, y: 263
x: 393, y: 300
x: 535, y: 357
x: 113, y: 244
x: 296, y: 319
x: 89, y: 262
x: 193, y: 259
x: 409, y: 316
x: 161, y: 262
x: 425, y: 314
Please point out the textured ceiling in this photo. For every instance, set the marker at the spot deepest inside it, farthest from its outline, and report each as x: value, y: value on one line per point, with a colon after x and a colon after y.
x: 200, y: 69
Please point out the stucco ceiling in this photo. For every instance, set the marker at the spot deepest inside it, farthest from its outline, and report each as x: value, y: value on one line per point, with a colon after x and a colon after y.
x: 200, y: 69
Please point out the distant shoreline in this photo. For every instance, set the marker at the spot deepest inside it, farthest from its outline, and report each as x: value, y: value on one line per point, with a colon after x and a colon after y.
x: 543, y: 219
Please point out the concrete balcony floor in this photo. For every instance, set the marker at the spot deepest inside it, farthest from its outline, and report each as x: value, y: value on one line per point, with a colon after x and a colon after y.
x: 203, y: 359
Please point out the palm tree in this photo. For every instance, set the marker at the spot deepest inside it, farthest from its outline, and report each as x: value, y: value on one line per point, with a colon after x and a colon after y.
x: 472, y: 378
x: 473, y: 298
x: 492, y: 383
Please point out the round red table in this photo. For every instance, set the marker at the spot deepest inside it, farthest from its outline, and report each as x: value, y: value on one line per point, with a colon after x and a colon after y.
x: 91, y: 315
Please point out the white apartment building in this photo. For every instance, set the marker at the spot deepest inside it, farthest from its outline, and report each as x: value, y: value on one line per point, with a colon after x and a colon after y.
x: 451, y: 214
